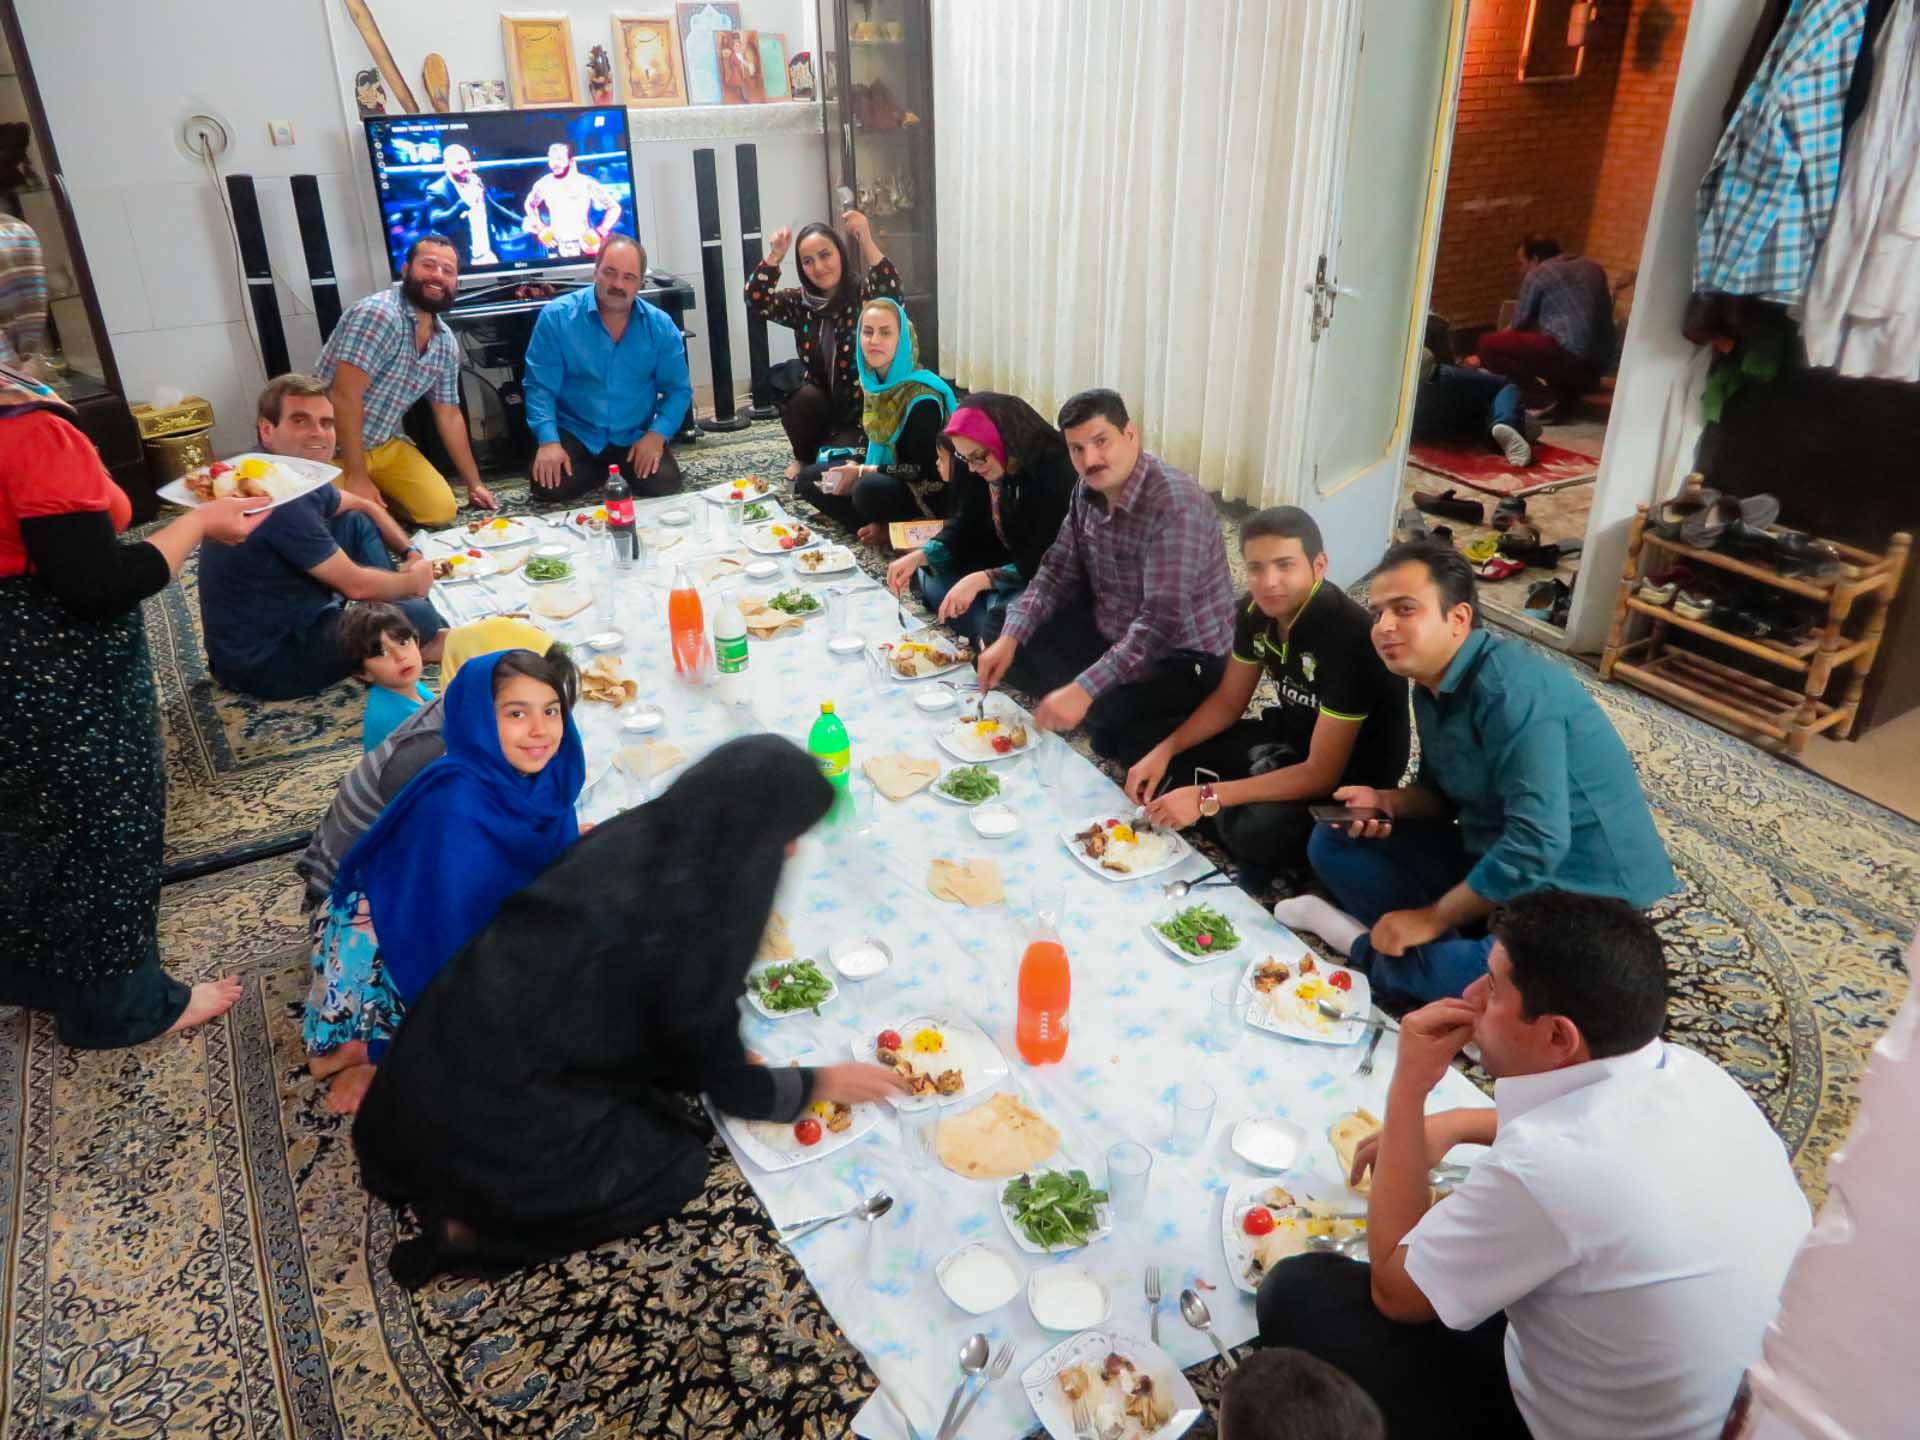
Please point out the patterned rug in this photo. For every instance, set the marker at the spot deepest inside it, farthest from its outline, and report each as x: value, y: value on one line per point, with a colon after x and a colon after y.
x: 190, y: 1252
x: 246, y: 777
x: 1470, y: 462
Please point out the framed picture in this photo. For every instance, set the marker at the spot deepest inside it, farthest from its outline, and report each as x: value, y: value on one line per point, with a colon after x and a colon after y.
x: 646, y: 61
x: 741, y: 82
x: 773, y: 65
x: 540, y: 68
x: 699, y: 24
x: 483, y: 95
x: 800, y: 75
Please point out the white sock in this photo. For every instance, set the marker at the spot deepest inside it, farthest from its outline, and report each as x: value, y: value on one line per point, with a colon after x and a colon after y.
x: 1311, y: 913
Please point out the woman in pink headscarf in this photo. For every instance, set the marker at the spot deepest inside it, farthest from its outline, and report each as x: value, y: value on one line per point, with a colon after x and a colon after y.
x: 1006, y: 513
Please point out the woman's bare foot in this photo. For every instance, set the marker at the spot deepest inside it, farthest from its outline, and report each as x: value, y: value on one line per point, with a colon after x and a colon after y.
x: 793, y: 469
x: 349, y: 1088
x: 871, y: 534
x: 354, y: 1052
x: 210, y: 1000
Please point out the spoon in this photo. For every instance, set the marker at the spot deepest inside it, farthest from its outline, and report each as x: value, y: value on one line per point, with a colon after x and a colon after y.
x: 973, y: 1359
x: 1334, y: 1012
x: 1194, y: 1311
x: 1333, y: 1245
x: 869, y: 1209
x: 1177, y: 889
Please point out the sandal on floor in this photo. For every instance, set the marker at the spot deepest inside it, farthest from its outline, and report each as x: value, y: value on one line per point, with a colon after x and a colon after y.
x: 1449, y: 504
x: 1481, y: 549
x: 1500, y: 567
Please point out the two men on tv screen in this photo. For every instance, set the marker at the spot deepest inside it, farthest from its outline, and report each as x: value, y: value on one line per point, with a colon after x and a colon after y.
x: 559, y: 212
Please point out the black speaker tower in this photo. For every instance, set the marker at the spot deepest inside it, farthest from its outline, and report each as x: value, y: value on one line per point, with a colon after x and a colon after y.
x: 313, y: 239
x: 713, y: 271
x: 257, y: 270
x: 746, y: 163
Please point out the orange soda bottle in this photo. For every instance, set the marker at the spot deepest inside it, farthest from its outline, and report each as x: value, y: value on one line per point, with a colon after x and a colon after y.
x: 687, y: 627
x: 1045, y: 986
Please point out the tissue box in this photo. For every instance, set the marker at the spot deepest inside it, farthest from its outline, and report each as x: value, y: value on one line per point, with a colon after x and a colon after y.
x: 157, y: 421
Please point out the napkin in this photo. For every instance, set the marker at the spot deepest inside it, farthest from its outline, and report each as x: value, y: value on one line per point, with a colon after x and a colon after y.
x: 654, y: 757
x: 724, y: 567
x: 774, y: 944
x: 764, y: 622
x: 605, y: 681
x: 658, y: 539
x: 898, y: 776
x: 561, y: 602
x: 510, y: 559
x: 972, y: 883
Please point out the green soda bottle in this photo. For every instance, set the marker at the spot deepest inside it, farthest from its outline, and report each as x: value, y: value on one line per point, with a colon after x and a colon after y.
x: 829, y: 745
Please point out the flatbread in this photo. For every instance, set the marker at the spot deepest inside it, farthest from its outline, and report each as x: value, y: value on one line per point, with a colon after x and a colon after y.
x: 763, y: 621
x: 606, y: 681
x: 651, y: 758
x: 898, y: 776
x: 561, y: 602
x: 775, y: 945
x: 996, y: 1140
x: 1347, y: 1133
x: 724, y: 567
x: 972, y: 883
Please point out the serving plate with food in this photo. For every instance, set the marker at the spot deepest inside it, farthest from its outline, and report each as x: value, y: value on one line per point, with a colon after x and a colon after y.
x: 996, y: 736
x: 759, y: 512
x: 589, y: 522
x: 1194, y: 933
x: 275, y: 479
x: 824, y: 1128
x: 493, y: 531
x: 1051, y: 1211
x: 943, y: 1057
x: 1263, y: 1222
x: 969, y: 785
x: 795, y: 987
x: 824, y: 560
x: 547, y: 569
x: 742, y: 491
x: 923, y: 659
x: 779, y: 537
x: 1120, y: 850
x: 1287, y: 994
x: 470, y: 564
x: 801, y: 604
x: 1132, y: 1389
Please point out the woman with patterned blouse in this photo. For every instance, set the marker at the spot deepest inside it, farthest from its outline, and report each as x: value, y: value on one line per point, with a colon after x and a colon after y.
x: 824, y: 314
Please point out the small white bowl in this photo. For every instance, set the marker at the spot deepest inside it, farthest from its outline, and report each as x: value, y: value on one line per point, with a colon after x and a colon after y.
x: 1268, y: 1143
x: 993, y: 820
x: 937, y: 696
x: 643, y: 719
x: 1051, y: 1275
x: 676, y: 516
x: 605, y: 640
x: 977, y: 1304
x: 552, y: 552
x: 847, y: 643
x: 861, y: 959
x: 763, y: 569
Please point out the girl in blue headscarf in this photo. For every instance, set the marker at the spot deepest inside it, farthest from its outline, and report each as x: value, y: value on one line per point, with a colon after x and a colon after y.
x: 469, y: 830
x: 897, y: 478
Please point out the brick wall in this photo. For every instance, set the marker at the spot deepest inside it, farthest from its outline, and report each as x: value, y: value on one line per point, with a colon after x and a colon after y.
x: 1576, y: 158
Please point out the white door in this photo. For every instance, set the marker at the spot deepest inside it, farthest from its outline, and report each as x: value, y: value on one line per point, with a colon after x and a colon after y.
x: 1403, y: 64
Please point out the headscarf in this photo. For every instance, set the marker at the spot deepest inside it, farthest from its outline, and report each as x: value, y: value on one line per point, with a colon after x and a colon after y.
x: 23, y: 321
x: 971, y: 422
x: 892, y: 396
x: 822, y: 302
x: 467, y: 832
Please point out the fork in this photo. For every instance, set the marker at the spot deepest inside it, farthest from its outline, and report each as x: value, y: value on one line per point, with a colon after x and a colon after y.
x: 998, y: 1371
x: 1082, y: 1421
x: 1153, y: 1301
x: 1366, y: 1060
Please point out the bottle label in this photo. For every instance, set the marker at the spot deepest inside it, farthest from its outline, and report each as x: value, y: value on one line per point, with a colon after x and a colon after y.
x: 730, y: 653
x: 620, y: 513
x: 834, y: 765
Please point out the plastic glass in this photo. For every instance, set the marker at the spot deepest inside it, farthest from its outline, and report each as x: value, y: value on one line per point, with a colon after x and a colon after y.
x: 1049, y: 754
x: 1129, y: 1168
x: 886, y: 684
x: 835, y: 600
x: 1193, y: 1106
x: 1226, y: 1015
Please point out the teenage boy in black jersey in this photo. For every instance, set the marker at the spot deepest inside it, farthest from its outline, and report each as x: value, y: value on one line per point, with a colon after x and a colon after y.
x: 1342, y: 714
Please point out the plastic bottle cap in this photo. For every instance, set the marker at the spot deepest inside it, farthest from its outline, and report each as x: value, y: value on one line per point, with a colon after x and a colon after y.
x: 826, y: 707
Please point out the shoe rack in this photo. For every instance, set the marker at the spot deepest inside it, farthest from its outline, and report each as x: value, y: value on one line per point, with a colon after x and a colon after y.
x: 1751, y: 697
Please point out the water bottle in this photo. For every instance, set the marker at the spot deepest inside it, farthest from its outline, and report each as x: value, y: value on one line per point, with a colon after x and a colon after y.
x: 620, y: 527
x: 730, y: 649
x: 830, y: 746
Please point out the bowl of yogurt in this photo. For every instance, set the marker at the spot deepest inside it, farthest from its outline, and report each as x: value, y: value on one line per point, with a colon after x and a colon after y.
x: 1068, y: 1297
x: 978, y: 1278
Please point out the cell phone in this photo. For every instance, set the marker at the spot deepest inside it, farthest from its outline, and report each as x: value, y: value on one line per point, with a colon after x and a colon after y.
x: 1344, y: 814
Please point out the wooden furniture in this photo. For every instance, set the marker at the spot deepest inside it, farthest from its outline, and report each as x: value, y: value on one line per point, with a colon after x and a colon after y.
x: 1747, y: 696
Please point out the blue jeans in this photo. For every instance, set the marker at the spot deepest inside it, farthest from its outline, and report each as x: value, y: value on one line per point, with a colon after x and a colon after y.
x: 982, y: 621
x: 1410, y: 868
x: 1460, y: 400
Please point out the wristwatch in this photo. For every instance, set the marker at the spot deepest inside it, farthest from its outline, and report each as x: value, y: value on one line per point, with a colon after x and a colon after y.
x: 1209, y: 799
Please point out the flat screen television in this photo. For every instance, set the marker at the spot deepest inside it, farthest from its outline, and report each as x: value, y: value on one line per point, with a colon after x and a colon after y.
x: 512, y: 189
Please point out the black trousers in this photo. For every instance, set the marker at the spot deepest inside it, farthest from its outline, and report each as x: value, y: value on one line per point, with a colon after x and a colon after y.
x: 589, y: 475
x: 1432, y: 1383
x: 1129, y: 719
x: 1270, y: 837
x: 810, y: 419
x: 873, y: 500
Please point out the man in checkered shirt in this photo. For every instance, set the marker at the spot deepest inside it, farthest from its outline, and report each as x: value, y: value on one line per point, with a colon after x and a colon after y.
x: 1127, y: 623
x: 1562, y: 332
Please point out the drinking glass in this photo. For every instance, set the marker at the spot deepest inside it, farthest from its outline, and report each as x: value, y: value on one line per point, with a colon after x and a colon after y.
x: 1193, y: 1106
x: 1129, y: 1167
x: 860, y: 807
x: 736, y: 523
x: 1227, y: 1014
x: 886, y: 684
x: 920, y: 1137
x: 720, y: 522
x: 835, y: 600
x: 1049, y: 753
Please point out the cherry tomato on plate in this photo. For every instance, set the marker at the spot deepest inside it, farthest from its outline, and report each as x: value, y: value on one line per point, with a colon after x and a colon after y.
x: 807, y: 1132
x: 889, y: 1040
x: 476, y: 554
x: 1257, y: 1221
x: 1002, y: 744
x: 1340, y: 980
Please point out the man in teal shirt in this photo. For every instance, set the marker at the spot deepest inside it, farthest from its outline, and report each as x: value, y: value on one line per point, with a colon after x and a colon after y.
x: 606, y: 384
x: 1523, y: 786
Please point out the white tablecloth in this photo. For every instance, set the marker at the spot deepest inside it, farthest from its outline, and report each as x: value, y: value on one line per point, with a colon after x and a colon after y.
x: 1137, y: 1014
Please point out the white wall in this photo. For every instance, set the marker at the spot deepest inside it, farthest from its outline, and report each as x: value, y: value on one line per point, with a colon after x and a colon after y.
x: 151, y: 219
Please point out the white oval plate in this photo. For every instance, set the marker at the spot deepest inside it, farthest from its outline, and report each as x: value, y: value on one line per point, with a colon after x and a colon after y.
x: 970, y: 1048
x: 722, y: 494
x: 516, y: 532
x: 834, y: 560
x: 762, y: 541
x: 1237, y: 1245
x: 1277, y: 1014
x: 1091, y: 1347
x: 471, y: 567
x: 774, y: 1148
x: 312, y: 475
x: 1177, y: 851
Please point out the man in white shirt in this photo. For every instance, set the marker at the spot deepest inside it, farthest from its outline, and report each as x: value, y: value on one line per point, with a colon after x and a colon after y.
x: 1608, y: 1268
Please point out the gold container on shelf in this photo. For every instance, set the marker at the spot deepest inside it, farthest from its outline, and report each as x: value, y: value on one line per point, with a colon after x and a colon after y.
x: 176, y: 437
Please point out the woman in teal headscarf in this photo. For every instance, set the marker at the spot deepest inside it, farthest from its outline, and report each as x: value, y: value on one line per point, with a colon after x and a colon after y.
x: 906, y: 408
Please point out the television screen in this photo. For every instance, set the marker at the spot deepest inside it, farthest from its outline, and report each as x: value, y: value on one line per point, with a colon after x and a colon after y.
x: 512, y: 189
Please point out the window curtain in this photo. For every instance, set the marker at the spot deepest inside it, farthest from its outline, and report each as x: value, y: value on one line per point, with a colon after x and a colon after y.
x: 1132, y: 193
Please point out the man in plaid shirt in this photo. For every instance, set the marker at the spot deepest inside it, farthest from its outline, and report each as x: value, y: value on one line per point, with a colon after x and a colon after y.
x: 1127, y: 623
x: 390, y: 349
x: 1562, y: 331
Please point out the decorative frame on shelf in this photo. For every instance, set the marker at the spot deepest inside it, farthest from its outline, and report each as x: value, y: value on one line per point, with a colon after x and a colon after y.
x: 647, y: 62
x: 541, y: 70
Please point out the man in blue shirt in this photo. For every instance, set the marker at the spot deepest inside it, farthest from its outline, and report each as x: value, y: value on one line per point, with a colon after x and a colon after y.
x: 270, y: 607
x: 1523, y: 786
x: 607, y: 384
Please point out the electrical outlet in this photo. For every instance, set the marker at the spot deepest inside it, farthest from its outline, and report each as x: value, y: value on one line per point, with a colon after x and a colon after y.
x: 280, y: 132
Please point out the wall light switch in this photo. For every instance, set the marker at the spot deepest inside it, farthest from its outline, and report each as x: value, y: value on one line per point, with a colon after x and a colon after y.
x: 280, y: 132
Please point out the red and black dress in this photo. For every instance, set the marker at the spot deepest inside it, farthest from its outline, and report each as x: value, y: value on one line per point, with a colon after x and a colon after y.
x: 82, y: 789
x: 826, y: 409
